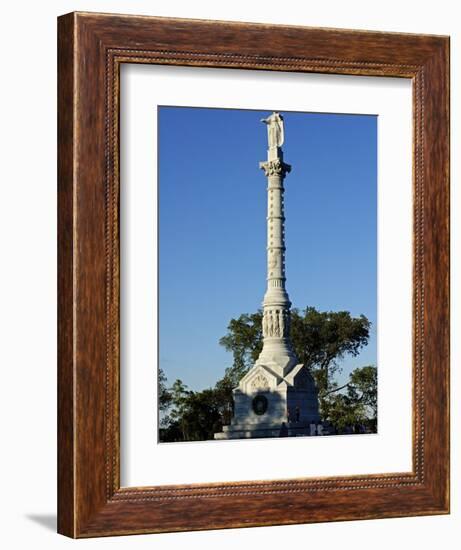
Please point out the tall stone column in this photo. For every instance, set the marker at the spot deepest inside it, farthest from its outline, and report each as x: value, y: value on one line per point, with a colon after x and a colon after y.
x: 277, y: 351
x: 277, y: 395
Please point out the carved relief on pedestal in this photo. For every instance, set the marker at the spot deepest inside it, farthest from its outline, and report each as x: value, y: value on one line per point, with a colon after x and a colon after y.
x: 259, y: 382
x: 276, y: 323
x: 276, y: 318
x: 267, y: 323
x: 286, y: 322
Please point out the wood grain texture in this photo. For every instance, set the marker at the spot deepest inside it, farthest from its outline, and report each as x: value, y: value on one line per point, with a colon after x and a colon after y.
x: 66, y: 487
x: 91, y: 49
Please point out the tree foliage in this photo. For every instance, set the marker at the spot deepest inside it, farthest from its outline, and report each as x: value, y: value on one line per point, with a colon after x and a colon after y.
x: 194, y: 416
x: 322, y: 338
x: 356, y: 407
x: 164, y: 394
x: 244, y: 339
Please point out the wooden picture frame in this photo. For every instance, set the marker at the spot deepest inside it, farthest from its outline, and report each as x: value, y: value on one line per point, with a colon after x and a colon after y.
x: 91, y: 49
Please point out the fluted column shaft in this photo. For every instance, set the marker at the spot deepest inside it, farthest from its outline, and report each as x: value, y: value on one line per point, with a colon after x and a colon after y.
x: 275, y: 233
x: 276, y: 305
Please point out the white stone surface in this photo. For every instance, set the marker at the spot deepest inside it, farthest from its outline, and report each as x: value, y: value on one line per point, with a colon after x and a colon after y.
x: 277, y: 376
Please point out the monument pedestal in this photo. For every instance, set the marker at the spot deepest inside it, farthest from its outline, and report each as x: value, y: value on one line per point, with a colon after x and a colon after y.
x: 268, y: 405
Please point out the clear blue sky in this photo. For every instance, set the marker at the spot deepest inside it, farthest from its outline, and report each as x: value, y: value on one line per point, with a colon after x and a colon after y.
x: 212, y: 227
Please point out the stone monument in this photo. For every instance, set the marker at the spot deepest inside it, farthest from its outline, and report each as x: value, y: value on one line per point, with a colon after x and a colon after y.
x: 278, y: 396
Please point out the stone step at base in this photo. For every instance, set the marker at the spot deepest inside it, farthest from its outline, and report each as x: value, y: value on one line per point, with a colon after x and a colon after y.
x: 250, y: 432
x: 263, y: 426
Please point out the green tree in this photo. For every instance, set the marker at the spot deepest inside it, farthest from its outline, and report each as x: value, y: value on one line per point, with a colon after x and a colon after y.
x: 179, y: 398
x: 164, y: 395
x: 322, y: 338
x: 364, y: 389
x: 357, y: 405
x: 202, y: 415
x: 244, y: 339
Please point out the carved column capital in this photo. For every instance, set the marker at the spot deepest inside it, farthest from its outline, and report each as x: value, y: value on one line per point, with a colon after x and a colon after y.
x: 275, y: 168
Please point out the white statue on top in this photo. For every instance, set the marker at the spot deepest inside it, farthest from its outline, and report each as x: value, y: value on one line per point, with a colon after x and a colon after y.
x: 274, y: 129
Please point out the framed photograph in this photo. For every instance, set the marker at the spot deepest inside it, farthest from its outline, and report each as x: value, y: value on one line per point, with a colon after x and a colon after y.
x: 253, y: 258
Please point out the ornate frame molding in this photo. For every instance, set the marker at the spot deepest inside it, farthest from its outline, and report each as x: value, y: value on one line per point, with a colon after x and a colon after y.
x: 91, y: 49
